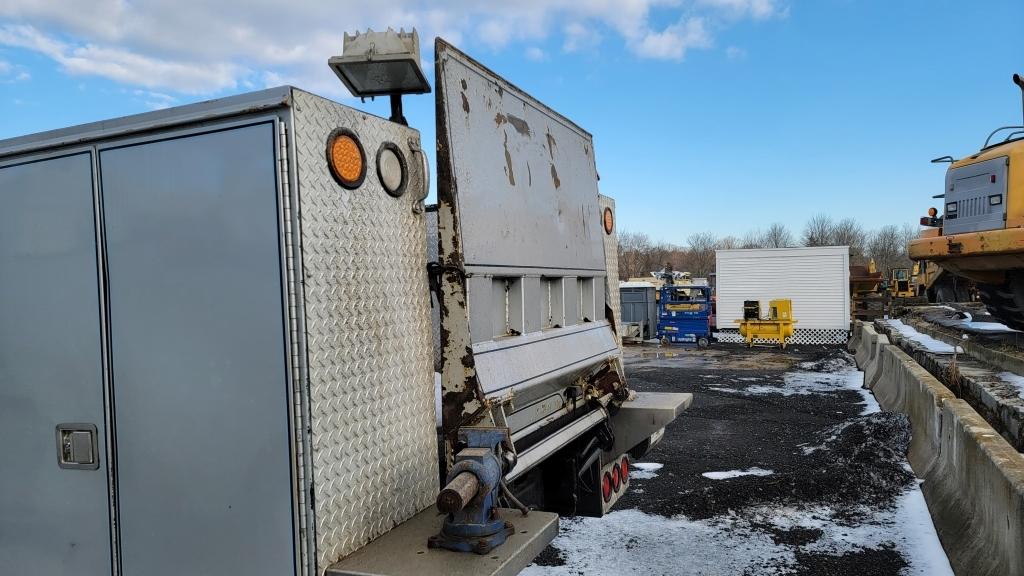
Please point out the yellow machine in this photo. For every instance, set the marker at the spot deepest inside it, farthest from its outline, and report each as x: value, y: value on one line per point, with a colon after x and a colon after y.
x: 901, y: 283
x: 980, y: 234
x: 777, y: 326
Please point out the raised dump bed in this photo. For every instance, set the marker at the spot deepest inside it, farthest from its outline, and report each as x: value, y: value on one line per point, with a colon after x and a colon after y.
x: 973, y: 477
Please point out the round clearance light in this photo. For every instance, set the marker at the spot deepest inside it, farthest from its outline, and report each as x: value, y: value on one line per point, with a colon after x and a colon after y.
x: 346, y: 158
x: 624, y: 469
x: 616, y: 477
x: 606, y: 487
x: 609, y: 221
x: 391, y: 169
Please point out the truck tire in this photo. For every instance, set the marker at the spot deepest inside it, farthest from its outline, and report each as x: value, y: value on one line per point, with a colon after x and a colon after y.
x: 1006, y: 301
x: 702, y: 342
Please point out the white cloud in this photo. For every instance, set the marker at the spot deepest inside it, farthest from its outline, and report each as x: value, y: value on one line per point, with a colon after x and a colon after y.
x: 536, y: 54
x: 757, y: 9
x: 735, y: 53
x: 673, y: 42
x: 11, y: 73
x: 5, y: 67
x: 202, y: 47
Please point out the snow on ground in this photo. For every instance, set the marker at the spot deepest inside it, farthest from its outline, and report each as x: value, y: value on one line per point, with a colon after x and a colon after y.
x: 927, y: 342
x: 1013, y: 380
x: 830, y: 376
x: 755, y: 471
x: 633, y: 542
x: 644, y: 470
x: 969, y: 323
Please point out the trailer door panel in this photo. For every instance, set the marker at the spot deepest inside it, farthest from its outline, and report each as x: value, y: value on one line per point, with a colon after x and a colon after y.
x: 198, y: 355
x: 54, y: 506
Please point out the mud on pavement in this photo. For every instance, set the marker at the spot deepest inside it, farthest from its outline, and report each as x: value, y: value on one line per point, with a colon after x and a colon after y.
x: 783, y: 465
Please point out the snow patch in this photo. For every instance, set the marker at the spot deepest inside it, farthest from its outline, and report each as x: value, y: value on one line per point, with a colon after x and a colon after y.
x: 1013, y: 380
x: 633, y: 542
x: 804, y: 383
x: 755, y: 471
x: 927, y: 342
x: 644, y: 470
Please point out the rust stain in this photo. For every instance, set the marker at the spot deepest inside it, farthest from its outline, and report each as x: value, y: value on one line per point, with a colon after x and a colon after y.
x: 464, y: 85
x: 465, y: 102
x: 551, y: 145
x: 520, y: 125
x: 508, y: 164
x: 500, y: 119
x: 554, y: 176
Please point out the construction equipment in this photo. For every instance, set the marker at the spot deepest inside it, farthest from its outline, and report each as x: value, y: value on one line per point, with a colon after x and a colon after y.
x: 242, y: 289
x: 777, y: 326
x: 684, y: 315
x: 980, y: 234
x: 901, y: 283
x: 868, y: 300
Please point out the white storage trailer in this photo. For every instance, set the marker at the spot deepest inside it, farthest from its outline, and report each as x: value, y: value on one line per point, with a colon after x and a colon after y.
x: 816, y: 279
x: 215, y: 337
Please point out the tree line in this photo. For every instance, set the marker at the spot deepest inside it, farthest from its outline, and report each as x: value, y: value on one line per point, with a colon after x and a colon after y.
x: 639, y: 254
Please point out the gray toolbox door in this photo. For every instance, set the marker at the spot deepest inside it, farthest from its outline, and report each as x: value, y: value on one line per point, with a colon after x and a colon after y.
x: 198, y: 349
x: 53, y: 515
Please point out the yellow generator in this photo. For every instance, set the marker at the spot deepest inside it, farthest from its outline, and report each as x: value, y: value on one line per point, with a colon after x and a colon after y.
x: 979, y: 233
x: 777, y: 326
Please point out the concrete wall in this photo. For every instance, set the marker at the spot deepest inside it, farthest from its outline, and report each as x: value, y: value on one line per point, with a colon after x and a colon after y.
x: 973, y: 478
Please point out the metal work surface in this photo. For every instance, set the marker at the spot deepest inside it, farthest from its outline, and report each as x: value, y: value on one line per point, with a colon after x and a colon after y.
x: 368, y: 340
x: 199, y: 375
x: 649, y: 412
x: 976, y: 197
x: 53, y: 521
x: 404, y: 552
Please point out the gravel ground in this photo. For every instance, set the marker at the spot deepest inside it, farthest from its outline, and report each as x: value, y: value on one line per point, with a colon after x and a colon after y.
x: 783, y: 465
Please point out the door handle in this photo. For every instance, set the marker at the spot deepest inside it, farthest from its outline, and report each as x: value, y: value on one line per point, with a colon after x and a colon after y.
x: 77, y: 447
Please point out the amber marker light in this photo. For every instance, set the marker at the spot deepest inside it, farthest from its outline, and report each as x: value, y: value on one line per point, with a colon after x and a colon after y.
x: 346, y: 158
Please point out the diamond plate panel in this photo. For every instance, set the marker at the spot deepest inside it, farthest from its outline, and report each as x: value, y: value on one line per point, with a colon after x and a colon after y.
x: 368, y: 333
x: 611, y: 262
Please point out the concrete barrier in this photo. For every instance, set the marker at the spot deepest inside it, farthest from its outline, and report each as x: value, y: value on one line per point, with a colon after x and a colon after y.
x: 973, y: 478
x: 873, y: 365
x: 854, y: 341
x: 975, y: 493
x: 888, y: 387
x: 923, y: 398
x: 867, y: 340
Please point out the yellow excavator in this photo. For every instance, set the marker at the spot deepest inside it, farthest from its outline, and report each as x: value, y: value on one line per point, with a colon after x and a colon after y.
x: 980, y: 234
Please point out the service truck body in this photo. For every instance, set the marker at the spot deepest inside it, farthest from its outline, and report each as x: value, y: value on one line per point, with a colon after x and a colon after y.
x: 216, y: 355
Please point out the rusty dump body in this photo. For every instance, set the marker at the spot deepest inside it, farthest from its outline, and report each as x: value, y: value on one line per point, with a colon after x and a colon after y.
x: 527, y: 339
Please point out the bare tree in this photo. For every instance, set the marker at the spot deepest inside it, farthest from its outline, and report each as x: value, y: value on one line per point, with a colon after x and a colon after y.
x: 778, y: 236
x: 848, y: 232
x: 701, y: 253
x: 819, y: 231
x: 888, y: 249
x: 728, y: 243
x: 753, y: 239
x: 634, y: 250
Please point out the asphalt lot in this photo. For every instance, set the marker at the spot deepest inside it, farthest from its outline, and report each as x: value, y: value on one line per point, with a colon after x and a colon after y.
x: 783, y: 465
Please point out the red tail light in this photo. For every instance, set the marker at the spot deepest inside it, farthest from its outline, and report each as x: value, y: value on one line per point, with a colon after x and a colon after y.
x: 616, y: 477
x: 606, y: 487
x: 624, y: 470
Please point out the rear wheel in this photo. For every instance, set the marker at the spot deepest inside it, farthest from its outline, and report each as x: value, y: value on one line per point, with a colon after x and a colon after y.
x: 702, y: 342
x: 1006, y: 301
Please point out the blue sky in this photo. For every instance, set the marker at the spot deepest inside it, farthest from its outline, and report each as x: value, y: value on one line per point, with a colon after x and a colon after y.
x: 707, y: 115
